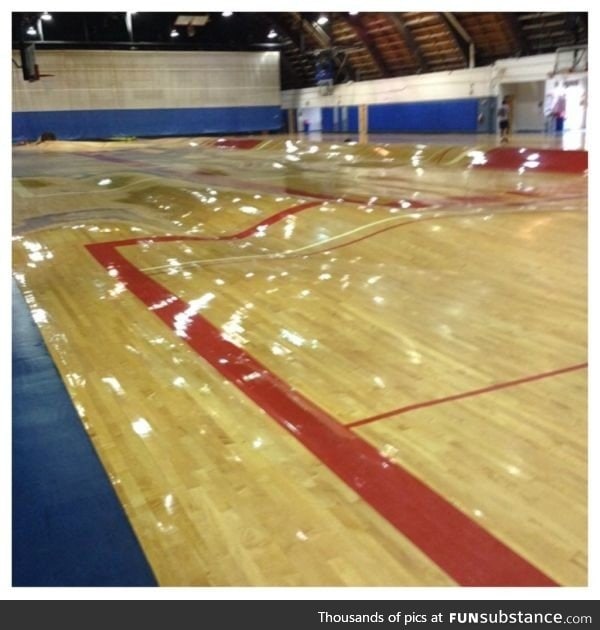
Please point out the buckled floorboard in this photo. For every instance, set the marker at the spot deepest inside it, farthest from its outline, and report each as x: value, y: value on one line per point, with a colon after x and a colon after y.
x: 314, y: 363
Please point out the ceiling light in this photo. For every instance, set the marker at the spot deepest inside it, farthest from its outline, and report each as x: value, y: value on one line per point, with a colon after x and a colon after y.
x: 193, y: 20
x: 174, y: 33
x: 352, y: 12
x: 227, y: 14
x: 31, y: 31
x: 272, y: 34
x: 46, y: 16
x: 322, y: 20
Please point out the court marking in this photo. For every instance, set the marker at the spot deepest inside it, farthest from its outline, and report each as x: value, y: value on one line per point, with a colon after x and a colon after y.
x: 304, y: 251
x: 469, y: 394
x: 510, y: 158
x: 227, y: 182
x: 458, y: 545
x: 292, y: 253
x: 538, y: 160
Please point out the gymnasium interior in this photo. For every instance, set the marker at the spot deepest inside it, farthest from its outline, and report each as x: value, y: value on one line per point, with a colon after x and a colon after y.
x: 289, y: 310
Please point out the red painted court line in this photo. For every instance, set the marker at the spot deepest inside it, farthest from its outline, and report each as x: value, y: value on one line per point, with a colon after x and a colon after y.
x: 226, y: 181
x: 236, y: 143
x: 497, y: 156
x: 274, y: 218
x: 475, y: 392
x: 457, y: 544
x: 535, y: 160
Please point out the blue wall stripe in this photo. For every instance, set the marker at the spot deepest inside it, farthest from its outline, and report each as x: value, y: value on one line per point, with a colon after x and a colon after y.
x: 108, y: 123
x: 459, y: 115
x: 353, y: 119
x: 327, y: 120
x: 68, y: 527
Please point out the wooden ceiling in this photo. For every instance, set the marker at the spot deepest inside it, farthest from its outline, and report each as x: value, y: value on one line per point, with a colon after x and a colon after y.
x: 382, y: 45
x: 362, y: 46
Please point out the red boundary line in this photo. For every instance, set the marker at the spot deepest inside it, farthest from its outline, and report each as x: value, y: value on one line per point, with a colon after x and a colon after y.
x: 536, y: 160
x: 474, y: 392
x: 458, y: 545
x: 501, y: 159
x: 226, y: 181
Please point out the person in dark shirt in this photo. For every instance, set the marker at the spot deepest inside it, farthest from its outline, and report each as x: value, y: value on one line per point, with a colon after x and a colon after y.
x: 504, y: 120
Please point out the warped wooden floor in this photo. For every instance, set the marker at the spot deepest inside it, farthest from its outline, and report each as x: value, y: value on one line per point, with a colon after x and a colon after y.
x: 321, y: 363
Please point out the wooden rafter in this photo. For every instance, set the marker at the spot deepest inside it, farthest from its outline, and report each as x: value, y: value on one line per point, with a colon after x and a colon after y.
x: 456, y: 38
x: 368, y: 42
x: 282, y: 29
x: 514, y: 27
x: 318, y: 35
x: 411, y: 43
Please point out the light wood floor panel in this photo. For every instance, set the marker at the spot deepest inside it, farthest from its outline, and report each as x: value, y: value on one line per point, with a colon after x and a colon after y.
x: 515, y: 459
x: 217, y: 494
x: 436, y: 311
x: 485, y: 283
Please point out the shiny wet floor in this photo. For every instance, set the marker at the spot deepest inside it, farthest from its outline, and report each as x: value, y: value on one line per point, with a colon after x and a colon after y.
x: 322, y: 364
x: 570, y: 140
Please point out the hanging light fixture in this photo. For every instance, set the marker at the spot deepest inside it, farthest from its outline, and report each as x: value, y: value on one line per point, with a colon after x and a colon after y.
x: 322, y: 20
x: 46, y: 16
x: 174, y: 32
x: 31, y: 31
x: 272, y: 34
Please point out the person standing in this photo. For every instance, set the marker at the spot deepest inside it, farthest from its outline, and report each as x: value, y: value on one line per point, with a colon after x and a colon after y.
x: 559, y: 112
x: 504, y: 119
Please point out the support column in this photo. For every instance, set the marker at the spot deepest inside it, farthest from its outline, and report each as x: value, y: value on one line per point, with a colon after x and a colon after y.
x: 291, y: 117
x: 363, y: 124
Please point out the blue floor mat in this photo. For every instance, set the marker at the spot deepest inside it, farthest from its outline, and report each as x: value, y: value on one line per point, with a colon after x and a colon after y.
x: 68, y: 527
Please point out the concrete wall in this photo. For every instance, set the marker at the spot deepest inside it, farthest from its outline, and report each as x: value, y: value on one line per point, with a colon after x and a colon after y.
x: 435, y: 86
x: 450, y: 101
x: 95, y: 93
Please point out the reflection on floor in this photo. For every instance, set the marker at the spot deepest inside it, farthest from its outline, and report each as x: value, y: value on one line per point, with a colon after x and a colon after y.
x: 323, y: 363
x: 567, y: 140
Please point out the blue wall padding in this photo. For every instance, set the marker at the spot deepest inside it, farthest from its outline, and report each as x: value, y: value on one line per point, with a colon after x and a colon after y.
x: 328, y: 125
x: 109, y: 123
x: 353, y: 119
x: 459, y: 115
x: 68, y: 527
x: 327, y: 120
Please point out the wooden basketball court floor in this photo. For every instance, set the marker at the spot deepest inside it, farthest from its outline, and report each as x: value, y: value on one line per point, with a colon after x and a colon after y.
x: 322, y: 364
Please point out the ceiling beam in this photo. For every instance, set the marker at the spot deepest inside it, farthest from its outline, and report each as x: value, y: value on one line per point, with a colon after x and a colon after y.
x: 315, y: 31
x: 368, y: 42
x: 275, y: 21
x: 514, y: 28
x: 343, y: 67
x: 282, y: 29
x: 411, y: 43
x: 460, y: 37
